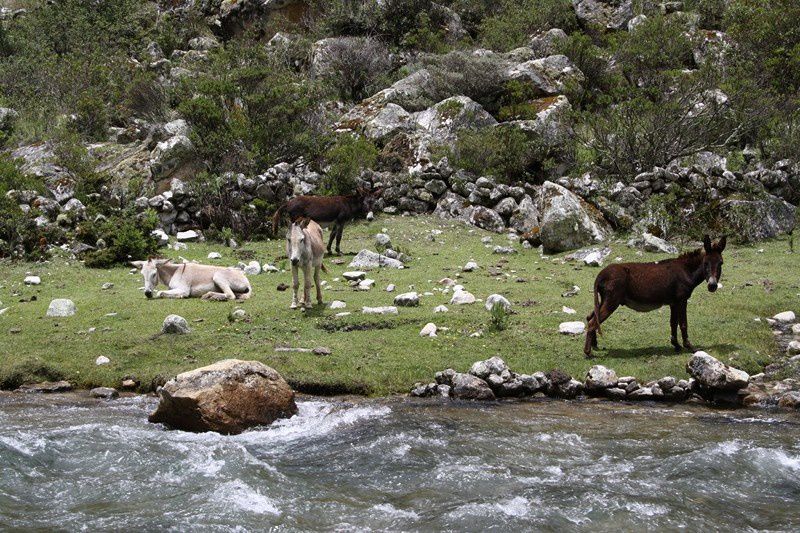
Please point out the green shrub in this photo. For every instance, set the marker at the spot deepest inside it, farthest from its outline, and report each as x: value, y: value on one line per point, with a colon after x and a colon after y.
x: 127, y: 237
x: 347, y: 158
x: 512, y: 22
x: 658, y: 44
x: 508, y: 153
x: 91, y: 118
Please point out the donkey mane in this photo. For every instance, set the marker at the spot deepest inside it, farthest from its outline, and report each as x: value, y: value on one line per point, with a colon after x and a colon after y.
x: 685, y: 256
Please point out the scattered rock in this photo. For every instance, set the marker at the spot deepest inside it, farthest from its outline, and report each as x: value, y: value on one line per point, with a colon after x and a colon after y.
x: 429, y: 330
x: 61, y: 307
x: 650, y: 243
x: 107, y: 286
x: 786, y: 317
x: 227, y: 397
x: 571, y: 328
x: 188, y: 235
x: 338, y: 304
x: 366, y: 284
x: 462, y: 297
x: 175, y: 325
x: 32, y: 280
x: 354, y: 275
x: 321, y: 350
x: 215, y: 255
x: 102, y: 360
x: 367, y: 259
x: 496, y: 299
x: 408, y: 299
x: 106, y: 393
x: 383, y: 310
x: 383, y: 241
x: 470, y: 266
x: 253, y: 268
x: 600, y: 378
x: 440, y: 309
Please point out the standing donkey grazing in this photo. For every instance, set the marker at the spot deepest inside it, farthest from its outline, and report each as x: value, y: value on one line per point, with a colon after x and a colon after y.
x: 647, y: 286
x: 334, y: 211
x: 305, y: 248
x: 189, y: 279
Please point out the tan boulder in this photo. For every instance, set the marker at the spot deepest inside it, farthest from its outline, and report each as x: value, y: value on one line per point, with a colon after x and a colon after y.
x: 227, y: 397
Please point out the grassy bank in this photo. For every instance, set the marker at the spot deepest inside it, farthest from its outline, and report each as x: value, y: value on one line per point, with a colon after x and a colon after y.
x: 379, y: 355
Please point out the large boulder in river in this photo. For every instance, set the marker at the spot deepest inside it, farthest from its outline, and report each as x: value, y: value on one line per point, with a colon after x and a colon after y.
x: 227, y: 397
x: 469, y: 387
x: 710, y: 373
x: 567, y: 222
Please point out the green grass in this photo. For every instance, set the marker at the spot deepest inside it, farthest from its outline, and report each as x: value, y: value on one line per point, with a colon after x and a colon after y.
x: 389, y: 360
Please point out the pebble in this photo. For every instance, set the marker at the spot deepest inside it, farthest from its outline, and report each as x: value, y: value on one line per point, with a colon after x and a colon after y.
x: 338, y: 304
x: 106, y: 286
x: 354, y: 275
x: 391, y: 287
x: 383, y: 310
x: 462, y: 297
x: 102, y: 360
x: 470, y: 266
x: 215, y: 255
x: 568, y: 310
x: 175, y: 325
x: 440, y: 309
x: 787, y: 317
x: 32, y: 280
x: 366, y: 284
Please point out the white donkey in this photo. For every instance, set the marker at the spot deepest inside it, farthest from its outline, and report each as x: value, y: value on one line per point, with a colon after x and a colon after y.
x: 305, y: 249
x: 189, y: 279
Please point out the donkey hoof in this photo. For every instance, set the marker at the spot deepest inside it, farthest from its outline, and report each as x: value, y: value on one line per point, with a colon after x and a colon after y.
x: 690, y: 347
x: 293, y: 306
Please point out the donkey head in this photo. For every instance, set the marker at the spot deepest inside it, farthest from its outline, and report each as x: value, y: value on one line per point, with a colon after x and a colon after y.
x: 712, y: 261
x: 149, y: 271
x: 296, y: 248
x: 368, y: 199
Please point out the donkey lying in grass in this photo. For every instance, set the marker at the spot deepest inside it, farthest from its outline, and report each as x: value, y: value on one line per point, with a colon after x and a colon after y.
x: 647, y: 286
x: 191, y: 280
x: 305, y: 249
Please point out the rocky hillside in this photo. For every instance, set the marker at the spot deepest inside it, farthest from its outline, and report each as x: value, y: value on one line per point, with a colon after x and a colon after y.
x: 565, y: 120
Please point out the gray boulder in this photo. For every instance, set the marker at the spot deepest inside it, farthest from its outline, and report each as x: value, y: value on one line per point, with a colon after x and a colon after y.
x: 497, y: 300
x: 408, y: 299
x: 367, y: 259
x: 61, y: 307
x: 526, y: 216
x: 549, y: 76
x: 8, y: 118
x: 712, y: 374
x: 600, y: 378
x: 650, y: 243
x: 469, y: 387
x: 604, y: 14
x: 172, y: 157
x: 175, y: 325
x: 756, y: 220
x: 567, y: 221
x: 443, y: 121
x: 227, y: 397
x: 492, y: 366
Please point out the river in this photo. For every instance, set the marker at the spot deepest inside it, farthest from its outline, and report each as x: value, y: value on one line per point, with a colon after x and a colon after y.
x: 71, y: 463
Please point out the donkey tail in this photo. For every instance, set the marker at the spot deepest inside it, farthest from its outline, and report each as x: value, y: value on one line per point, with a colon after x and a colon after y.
x: 597, y: 304
x: 276, y: 219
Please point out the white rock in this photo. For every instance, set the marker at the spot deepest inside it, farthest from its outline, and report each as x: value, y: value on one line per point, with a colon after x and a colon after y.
x: 383, y: 241
x: 238, y: 314
x: 384, y: 310
x: 462, y: 298
x: 796, y: 329
x: 354, y: 275
x: 215, y: 255
x: 440, y: 309
x: 32, y: 280
x: 271, y: 268
x: 793, y: 348
x: 102, y: 360
x: 106, y: 286
x: 429, y: 330
x: 568, y: 310
x: 594, y: 259
x: 390, y: 287
x: 175, y: 324
x: 366, y: 284
x: 344, y: 313
x: 407, y: 299
x: 470, y: 266
x: 497, y: 299
x: 338, y: 304
x: 61, y: 307
x: 161, y: 236
x: 787, y: 317
x: 571, y: 328
x: 253, y: 268
x: 447, y: 282
x: 188, y: 235
x: 366, y: 259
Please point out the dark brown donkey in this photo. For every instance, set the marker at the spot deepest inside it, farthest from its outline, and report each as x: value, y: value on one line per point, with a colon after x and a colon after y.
x: 648, y: 286
x: 334, y: 211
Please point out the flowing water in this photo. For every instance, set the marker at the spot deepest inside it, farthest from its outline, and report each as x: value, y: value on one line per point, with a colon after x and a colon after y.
x: 70, y: 463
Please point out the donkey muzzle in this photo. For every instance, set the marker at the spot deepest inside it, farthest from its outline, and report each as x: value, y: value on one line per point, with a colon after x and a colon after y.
x: 148, y: 294
x: 712, y: 284
x: 370, y: 216
x: 295, y: 261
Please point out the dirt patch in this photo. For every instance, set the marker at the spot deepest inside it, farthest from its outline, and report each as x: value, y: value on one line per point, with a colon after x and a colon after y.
x: 332, y: 326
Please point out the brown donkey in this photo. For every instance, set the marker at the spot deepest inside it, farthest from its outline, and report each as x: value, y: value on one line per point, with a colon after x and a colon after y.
x: 647, y: 286
x: 333, y: 211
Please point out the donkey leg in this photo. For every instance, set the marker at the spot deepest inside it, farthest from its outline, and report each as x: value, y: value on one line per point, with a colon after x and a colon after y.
x: 319, y: 287
x: 684, y: 323
x: 339, y: 239
x: 333, y: 236
x: 674, y: 314
x: 295, y: 286
x: 224, y: 286
x: 591, y: 335
x: 605, y: 311
x: 182, y: 292
x: 307, y: 287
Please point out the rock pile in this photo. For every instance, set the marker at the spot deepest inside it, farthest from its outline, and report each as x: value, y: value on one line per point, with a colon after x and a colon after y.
x: 490, y: 379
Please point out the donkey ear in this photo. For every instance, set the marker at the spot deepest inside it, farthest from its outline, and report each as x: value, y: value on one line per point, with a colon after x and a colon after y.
x: 707, y: 243
x: 721, y: 243
x: 304, y: 223
x: 137, y: 264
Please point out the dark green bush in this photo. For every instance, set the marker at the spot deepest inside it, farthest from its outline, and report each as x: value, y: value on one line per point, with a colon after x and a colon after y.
x: 512, y: 22
x: 128, y: 237
x: 347, y: 158
x: 508, y: 154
